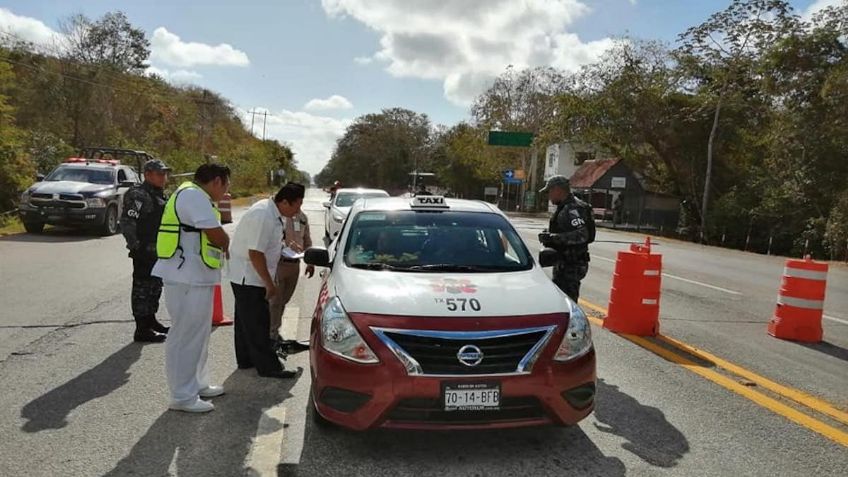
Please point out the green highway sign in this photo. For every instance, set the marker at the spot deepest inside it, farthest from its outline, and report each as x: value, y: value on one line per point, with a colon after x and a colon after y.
x: 512, y: 139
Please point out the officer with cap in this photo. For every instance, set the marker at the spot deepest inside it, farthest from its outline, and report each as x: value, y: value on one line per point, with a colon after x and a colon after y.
x: 571, y: 230
x: 142, y: 213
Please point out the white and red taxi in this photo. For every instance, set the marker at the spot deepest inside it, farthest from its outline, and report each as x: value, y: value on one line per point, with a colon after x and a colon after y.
x: 434, y: 315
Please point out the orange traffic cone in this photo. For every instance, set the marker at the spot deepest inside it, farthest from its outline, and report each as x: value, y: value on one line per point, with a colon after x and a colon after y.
x: 218, y: 317
x: 800, y: 302
x: 634, y: 306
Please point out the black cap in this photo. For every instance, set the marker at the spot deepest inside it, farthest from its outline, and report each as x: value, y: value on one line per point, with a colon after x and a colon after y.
x: 156, y: 165
x: 555, y: 181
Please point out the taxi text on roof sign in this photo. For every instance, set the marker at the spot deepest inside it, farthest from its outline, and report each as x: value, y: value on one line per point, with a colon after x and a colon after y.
x: 429, y: 202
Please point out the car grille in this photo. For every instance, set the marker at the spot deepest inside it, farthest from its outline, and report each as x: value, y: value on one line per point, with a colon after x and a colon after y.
x: 432, y: 412
x: 69, y: 201
x: 436, y: 353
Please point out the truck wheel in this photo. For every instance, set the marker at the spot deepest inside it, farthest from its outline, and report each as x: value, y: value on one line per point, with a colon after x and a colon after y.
x: 34, y: 227
x: 110, y: 223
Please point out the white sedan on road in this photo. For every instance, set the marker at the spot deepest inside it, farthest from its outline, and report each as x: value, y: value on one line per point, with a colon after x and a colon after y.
x: 339, y: 207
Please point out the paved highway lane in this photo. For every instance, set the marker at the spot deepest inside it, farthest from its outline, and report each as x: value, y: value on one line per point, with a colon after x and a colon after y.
x: 721, y: 300
x: 81, y: 399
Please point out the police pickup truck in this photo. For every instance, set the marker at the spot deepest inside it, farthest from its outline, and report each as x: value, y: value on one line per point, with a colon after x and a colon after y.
x: 83, y: 192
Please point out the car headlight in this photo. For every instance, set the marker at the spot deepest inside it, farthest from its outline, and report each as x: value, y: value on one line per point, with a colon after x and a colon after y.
x: 25, y: 197
x: 340, y: 337
x: 578, y: 336
x: 338, y: 218
x: 95, y: 203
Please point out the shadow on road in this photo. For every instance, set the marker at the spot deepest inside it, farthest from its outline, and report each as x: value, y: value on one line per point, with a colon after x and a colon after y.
x: 53, y: 235
x: 829, y: 349
x: 649, y: 435
x: 51, y: 410
x: 531, y: 451
x: 217, y: 443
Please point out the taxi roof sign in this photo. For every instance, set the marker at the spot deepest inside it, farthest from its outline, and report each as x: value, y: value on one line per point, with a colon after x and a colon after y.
x: 428, y: 202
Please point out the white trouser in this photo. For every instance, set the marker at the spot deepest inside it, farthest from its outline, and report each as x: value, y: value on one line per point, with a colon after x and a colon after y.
x: 190, y: 308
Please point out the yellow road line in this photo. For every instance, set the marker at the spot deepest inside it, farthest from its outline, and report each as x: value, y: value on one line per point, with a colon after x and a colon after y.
x: 800, y: 397
x: 769, y: 403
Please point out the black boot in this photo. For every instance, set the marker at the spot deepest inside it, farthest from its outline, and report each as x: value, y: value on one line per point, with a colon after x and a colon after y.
x: 144, y: 332
x: 158, y: 327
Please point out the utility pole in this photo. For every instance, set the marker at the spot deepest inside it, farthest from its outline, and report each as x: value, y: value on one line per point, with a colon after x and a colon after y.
x: 264, y: 122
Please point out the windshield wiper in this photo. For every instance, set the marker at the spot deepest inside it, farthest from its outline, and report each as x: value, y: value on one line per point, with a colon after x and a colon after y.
x: 376, y: 266
x: 450, y: 267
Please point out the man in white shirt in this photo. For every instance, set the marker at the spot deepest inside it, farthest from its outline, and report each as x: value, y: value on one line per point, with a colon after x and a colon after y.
x: 254, y: 253
x: 190, y: 246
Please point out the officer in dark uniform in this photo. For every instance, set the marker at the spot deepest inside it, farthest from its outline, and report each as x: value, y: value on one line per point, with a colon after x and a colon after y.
x: 571, y: 230
x: 143, y: 207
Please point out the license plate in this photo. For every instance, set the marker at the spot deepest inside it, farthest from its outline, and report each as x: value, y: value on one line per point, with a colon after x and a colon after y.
x: 54, y: 217
x: 471, y: 396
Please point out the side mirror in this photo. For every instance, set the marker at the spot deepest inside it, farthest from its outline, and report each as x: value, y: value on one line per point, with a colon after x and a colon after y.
x: 326, y: 205
x: 126, y: 184
x: 317, y: 256
x: 39, y: 177
x: 548, y: 257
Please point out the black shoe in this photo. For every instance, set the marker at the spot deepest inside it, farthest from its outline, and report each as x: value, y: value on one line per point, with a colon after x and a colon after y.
x: 148, y: 336
x: 158, y: 327
x: 282, y: 374
x: 293, y: 346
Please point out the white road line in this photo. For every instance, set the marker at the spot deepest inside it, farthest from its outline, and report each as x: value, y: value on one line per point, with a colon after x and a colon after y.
x: 833, y: 318
x: 732, y: 292
x: 267, y: 448
x: 675, y: 277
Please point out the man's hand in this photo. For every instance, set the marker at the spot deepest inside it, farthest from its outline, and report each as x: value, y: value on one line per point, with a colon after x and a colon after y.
x: 310, y: 271
x: 294, y: 246
x: 545, y: 238
x: 270, y: 291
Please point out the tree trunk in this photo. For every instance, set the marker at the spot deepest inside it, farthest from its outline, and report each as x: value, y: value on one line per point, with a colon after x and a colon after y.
x: 709, y: 174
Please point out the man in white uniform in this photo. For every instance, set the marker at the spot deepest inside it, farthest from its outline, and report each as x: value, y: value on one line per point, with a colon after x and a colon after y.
x: 254, y: 254
x: 190, y: 246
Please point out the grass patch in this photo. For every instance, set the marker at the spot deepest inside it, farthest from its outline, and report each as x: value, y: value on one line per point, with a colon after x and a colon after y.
x: 10, y: 226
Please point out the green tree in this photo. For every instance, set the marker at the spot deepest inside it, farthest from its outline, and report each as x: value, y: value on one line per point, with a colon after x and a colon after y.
x: 720, y: 53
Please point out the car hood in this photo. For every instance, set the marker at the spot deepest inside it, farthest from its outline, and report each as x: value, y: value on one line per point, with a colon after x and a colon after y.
x: 342, y: 210
x: 425, y: 294
x: 68, y: 187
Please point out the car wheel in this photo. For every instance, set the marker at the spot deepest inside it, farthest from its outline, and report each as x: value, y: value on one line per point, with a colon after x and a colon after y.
x: 110, y: 223
x: 34, y: 227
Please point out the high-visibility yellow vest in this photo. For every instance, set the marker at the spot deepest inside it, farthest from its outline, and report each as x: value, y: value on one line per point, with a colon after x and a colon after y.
x: 168, y: 238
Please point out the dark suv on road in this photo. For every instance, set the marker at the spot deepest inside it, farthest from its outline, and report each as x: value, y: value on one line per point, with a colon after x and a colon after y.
x: 85, y: 191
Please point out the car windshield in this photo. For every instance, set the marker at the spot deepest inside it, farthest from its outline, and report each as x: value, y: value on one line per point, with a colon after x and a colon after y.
x: 418, y: 241
x: 83, y: 174
x: 346, y: 199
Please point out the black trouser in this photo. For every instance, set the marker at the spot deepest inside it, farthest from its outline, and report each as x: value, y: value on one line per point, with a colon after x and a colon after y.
x: 146, y: 290
x: 252, y: 321
x: 567, y: 277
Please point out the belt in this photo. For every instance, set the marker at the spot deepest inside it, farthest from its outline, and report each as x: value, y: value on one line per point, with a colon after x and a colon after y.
x: 290, y: 260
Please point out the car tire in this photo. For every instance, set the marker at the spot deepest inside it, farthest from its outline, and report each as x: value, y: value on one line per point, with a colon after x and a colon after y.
x: 34, y: 227
x: 110, y: 222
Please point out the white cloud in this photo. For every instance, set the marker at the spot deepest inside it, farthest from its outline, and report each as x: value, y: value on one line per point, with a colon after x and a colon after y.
x: 363, y: 60
x: 169, y: 49
x: 333, y: 102
x: 467, y: 44
x: 28, y: 29
x: 820, y: 5
x: 175, y: 77
x: 311, y: 137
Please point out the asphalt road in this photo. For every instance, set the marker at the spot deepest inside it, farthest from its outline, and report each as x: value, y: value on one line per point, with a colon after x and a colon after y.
x: 79, y: 398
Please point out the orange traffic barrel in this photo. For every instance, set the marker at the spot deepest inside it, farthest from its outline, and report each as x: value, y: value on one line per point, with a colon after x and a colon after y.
x: 634, y: 306
x: 225, y: 207
x: 218, y: 317
x: 800, y: 301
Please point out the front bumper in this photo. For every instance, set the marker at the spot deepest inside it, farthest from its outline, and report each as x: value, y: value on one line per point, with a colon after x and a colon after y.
x: 360, y: 397
x: 62, y: 216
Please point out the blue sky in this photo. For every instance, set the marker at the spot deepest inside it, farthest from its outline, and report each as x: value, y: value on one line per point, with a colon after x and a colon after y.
x: 314, y: 65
